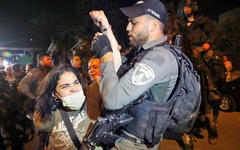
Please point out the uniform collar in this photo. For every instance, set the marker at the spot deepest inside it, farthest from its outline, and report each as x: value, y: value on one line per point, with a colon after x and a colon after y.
x: 40, y: 66
x: 154, y: 42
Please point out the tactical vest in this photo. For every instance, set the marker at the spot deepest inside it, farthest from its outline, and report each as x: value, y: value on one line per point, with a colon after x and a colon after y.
x: 150, y: 118
x: 216, y: 67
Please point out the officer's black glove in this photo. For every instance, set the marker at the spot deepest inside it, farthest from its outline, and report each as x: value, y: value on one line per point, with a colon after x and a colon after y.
x: 100, y: 45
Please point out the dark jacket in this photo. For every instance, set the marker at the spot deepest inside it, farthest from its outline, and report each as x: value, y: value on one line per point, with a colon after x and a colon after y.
x: 94, y: 101
x: 16, y: 82
x: 200, y: 31
x: 31, y: 83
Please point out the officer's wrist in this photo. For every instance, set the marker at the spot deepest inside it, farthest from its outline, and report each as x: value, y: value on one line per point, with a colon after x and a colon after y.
x: 106, y: 29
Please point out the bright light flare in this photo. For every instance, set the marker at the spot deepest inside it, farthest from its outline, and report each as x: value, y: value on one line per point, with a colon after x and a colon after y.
x: 5, y: 63
x: 6, y: 54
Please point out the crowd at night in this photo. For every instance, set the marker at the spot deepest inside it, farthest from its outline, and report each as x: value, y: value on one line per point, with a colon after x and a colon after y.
x: 119, y: 75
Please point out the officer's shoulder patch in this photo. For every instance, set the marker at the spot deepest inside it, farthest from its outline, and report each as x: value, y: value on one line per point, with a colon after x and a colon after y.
x: 142, y: 74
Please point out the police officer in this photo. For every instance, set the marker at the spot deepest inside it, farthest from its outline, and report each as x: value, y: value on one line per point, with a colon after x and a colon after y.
x: 211, y: 69
x: 199, y: 33
x: 196, y: 28
x: 151, y: 65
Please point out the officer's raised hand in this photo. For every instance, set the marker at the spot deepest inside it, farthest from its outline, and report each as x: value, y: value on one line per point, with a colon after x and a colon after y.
x: 100, y: 45
x: 100, y: 19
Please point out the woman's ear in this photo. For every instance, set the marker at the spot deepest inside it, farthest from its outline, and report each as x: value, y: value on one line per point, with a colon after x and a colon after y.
x: 54, y: 96
x: 56, y: 102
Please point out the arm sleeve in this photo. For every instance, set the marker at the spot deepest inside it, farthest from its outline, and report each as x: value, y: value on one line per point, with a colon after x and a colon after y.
x: 26, y: 82
x: 152, y: 69
x: 210, y: 28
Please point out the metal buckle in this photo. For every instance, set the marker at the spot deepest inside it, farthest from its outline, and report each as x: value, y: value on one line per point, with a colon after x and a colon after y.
x: 138, y: 141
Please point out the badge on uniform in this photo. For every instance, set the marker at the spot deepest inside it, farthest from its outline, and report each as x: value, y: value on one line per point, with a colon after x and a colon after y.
x: 142, y: 74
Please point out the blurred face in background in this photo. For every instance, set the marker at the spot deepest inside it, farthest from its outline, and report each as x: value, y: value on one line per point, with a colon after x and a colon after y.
x: 225, y: 58
x: 93, y: 68
x: 46, y: 61
x: 187, y: 11
x: 76, y: 62
x: 8, y: 71
x: 28, y: 68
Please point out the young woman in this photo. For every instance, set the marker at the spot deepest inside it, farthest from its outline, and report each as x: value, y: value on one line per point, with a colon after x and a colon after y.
x: 62, y: 93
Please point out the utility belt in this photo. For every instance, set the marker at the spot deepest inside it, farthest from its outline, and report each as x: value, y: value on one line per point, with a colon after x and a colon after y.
x: 104, y: 129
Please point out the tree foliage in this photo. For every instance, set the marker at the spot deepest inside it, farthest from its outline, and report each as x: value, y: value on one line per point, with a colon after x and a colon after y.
x: 50, y: 25
x: 229, y: 34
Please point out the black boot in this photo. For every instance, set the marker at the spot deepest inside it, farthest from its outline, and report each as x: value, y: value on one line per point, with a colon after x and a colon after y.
x: 212, y: 134
x: 187, y: 140
x: 206, y: 123
x: 197, y: 133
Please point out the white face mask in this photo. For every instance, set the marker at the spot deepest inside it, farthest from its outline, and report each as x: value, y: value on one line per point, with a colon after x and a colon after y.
x: 74, y: 101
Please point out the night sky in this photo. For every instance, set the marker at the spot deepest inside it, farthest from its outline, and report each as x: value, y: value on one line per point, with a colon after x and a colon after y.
x: 15, y: 14
x: 15, y: 17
